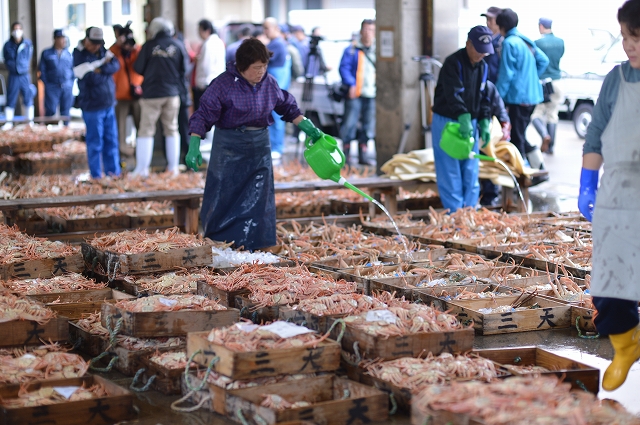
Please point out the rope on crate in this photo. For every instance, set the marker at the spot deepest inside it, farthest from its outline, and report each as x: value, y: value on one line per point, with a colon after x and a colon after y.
x: 580, y: 334
x: 144, y: 387
x: 113, y: 332
x: 174, y: 405
x: 259, y: 420
x: 581, y: 385
x: 342, y: 330
x: 254, y: 317
x: 243, y: 310
x: 206, y: 375
x: 241, y: 418
x: 77, y: 343
x: 394, y: 404
x: 102, y: 369
x: 356, y: 351
x: 346, y: 394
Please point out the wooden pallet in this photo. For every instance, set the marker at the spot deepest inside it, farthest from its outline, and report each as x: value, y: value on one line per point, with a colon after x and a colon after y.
x: 334, y: 400
x: 47, y: 267
x: 550, y: 315
x: 148, y: 262
x: 254, y: 364
x: 28, y: 332
x: 168, y: 323
x: 578, y: 374
x: 117, y: 406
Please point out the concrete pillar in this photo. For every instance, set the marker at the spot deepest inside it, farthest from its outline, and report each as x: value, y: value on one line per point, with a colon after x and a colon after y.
x: 398, y: 39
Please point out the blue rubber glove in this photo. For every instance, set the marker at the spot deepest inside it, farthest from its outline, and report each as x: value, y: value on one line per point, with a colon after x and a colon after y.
x: 588, y: 189
x: 485, y: 132
x: 194, y: 157
x: 466, y: 129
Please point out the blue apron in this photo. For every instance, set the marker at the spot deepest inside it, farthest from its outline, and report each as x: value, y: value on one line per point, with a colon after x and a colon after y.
x: 239, y: 202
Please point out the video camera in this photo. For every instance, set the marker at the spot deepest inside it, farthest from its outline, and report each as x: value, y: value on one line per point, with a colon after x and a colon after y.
x: 128, y: 34
x: 313, y: 42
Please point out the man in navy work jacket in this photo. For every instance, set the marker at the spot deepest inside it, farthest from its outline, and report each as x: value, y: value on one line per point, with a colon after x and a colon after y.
x: 94, y: 68
x: 56, y: 72
x: 17, y: 54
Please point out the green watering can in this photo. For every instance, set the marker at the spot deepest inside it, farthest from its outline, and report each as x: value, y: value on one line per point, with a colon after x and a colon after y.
x: 458, y: 147
x: 326, y: 160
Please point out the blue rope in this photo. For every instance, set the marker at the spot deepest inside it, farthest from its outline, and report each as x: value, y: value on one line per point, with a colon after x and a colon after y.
x: 206, y: 375
x: 580, y: 334
x: 135, y: 380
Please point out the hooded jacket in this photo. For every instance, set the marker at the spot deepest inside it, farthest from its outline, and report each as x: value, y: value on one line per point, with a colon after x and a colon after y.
x: 521, y: 66
x: 17, y: 56
x: 125, y: 77
x: 97, y: 89
x: 163, y: 63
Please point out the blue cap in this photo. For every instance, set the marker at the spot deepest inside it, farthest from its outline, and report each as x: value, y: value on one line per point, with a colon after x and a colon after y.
x: 481, y: 37
x: 295, y: 28
x: 284, y: 28
x: 58, y: 33
x: 545, y: 22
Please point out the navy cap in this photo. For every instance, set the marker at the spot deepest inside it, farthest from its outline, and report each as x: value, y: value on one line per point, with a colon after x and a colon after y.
x: 284, y: 28
x: 295, y: 28
x: 58, y: 33
x: 492, y: 12
x: 481, y: 37
x: 545, y: 22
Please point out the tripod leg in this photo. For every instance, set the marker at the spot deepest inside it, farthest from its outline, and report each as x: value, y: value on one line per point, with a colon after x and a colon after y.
x: 423, y: 111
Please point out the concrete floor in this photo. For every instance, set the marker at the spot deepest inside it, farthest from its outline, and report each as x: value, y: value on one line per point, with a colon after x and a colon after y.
x: 558, y: 194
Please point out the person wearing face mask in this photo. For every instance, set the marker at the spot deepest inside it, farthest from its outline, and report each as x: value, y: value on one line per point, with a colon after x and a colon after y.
x: 94, y: 68
x: 17, y: 54
x: 56, y: 72
x: 239, y: 201
x: 128, y: 91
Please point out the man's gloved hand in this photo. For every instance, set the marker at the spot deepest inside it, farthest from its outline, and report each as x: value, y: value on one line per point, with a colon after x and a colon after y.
x: 485, y: 132
x: 193, y: 159
x: 466, y: 129
x: 307, y: 126
x: 506, y: 131
x: 82, y: 69
x: 588, y: 189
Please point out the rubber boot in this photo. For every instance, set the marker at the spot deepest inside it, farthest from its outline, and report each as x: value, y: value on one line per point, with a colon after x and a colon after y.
x: 144, y: 154
x: 362, y: 154
x: 346, y: 149
x: 8, y: 114
x: 537, y: 162
x: 172, y: 148
x: 30, y: 114
x: 551, y: 129
x: 542, y: 131
x: 627, y: 351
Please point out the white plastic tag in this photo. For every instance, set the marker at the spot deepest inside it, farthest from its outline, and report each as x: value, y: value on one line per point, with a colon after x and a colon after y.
x: 168, y: 302
x: 246, y: 327
x: 28, y: 356
x: 286, y: 329
x: 66, y: 392
x: 381, y: 316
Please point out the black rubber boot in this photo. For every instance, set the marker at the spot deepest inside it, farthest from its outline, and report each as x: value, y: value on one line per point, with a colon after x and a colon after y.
x: 362, y: 154
x: 551, y: 129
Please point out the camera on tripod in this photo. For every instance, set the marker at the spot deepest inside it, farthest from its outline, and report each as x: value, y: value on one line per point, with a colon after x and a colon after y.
x: 313, y: 42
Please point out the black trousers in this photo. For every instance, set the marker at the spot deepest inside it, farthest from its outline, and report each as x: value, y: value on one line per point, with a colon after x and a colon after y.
x: 615, y: 315
x: 520, y: 116
x: 183, y: 129
x: 197, y: 94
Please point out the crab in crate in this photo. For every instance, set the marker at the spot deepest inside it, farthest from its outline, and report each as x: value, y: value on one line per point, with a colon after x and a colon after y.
x: 44, y: 362
x: 276, y: 402
x: 48, y: 395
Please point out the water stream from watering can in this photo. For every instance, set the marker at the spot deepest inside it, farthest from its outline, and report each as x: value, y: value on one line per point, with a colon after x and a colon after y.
x: 515, y: 182
x: 400, y: 235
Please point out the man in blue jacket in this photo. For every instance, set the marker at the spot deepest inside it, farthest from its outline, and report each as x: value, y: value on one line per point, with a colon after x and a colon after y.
x: 521, y: 66
x: 17, y: 54
x: 547, y: 112
x: 56, y: 72
x: 358, y: 72
x: 94, y: 68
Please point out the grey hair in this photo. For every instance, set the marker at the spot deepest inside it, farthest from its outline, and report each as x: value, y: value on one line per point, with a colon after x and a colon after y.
x: 158, y: 25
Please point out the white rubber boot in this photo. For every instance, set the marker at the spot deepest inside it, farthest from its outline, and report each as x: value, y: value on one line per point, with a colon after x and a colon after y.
x: 535, y: 159
x: 30, y: 114
x: 172, y: 148
x: 144, y: 154
x: 8, y: 113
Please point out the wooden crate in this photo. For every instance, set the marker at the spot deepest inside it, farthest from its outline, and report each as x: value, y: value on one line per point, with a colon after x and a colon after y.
x: 430, y: 255
x: 254, y: 364
x: 76, y: 303
x: 422, y: 203
x: 440, y: 297
x: 335, y: 401
x: 29, y: 332
x: 412, y: 345
x: 166, y: 381
x: 336, y: 263
x: 402, y: 286
x: 88, y: 343
x: 129, y: 362
x: 112, y: 222
x: 33, y: 226
x: 48, y: 267
x: 248, y: 310
x: 296, y: 211
x: 148, y: 262
x: 309, y: 320
x: 584, y: 318
x: 8, y: 164
x: 195, y: 397
x: 117, y: 406
x: 23, y: 146
x: 168, y: 323
x: 142, y: 221
x: 226, y: 298
x: 578, y: 374
x: 550, y: 315
x: 32, y: 167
